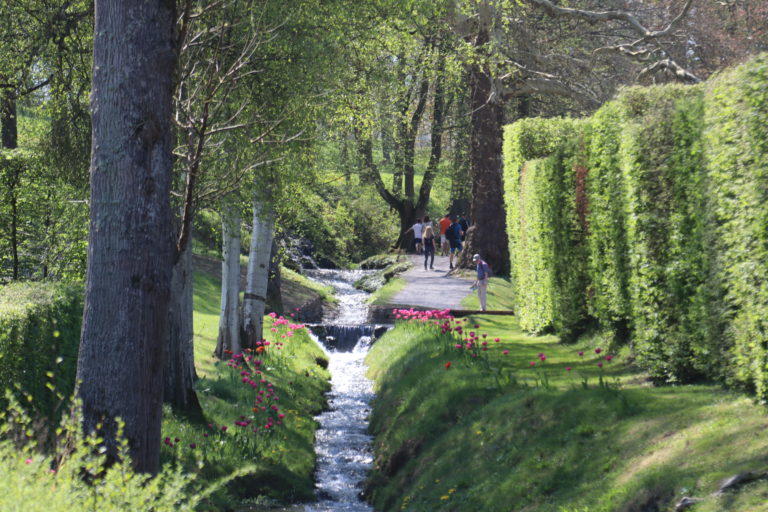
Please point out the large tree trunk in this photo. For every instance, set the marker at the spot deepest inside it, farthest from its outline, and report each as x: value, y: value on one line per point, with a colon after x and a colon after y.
x: 488, y: 234
x: 229, y: 318
x: 255, y: 299
x: 179, y: 390
x: 131, y: 246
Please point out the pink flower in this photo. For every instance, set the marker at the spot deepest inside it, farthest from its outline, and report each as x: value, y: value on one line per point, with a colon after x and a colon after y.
x: 608, y: 358
x: 541, y: 354
x: 496, y: 340
x: 598, y: 350
x: 581, y: 354
x: 600, y: 364
x: 533, y: 363
x: 542, y: 358
x: 28, y: 461
x: 567, y: 368
x: 505, y: 352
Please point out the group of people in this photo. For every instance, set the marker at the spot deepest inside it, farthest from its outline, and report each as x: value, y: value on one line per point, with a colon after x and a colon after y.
x: 452, y: 232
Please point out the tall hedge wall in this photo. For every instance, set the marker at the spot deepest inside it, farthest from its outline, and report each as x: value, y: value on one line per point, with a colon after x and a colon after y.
x: 40, y: 336
x: 650, y: 220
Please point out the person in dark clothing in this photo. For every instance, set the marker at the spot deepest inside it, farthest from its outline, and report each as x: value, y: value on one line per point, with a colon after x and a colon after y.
x: 454, y: 234
x: 464, y: 227
x: 428, y: 238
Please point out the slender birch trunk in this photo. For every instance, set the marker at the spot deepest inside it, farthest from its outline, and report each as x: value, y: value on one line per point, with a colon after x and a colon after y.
x: 255, y: 299
x: 229, y: 319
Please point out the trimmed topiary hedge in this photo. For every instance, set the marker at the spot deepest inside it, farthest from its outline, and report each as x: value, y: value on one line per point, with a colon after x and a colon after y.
x: 650, y: 219
x: 39, y: 340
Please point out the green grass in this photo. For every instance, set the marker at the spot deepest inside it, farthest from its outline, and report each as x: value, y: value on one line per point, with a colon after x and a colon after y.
x: 384, y: 294
x: 326, y: 292
x: 284, y: 459
x: 452, y: 439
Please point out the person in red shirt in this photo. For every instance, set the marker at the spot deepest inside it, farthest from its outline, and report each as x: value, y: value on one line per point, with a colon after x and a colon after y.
x: 444, y: 223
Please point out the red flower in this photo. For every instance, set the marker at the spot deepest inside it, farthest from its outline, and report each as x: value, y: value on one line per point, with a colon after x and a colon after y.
x: 608, y: 358
x: 581, y: 354
x: 447, y: 365
x: 598, y: 350
x: 567, y: 368
x: 533, y: 363
x: 600, y: 364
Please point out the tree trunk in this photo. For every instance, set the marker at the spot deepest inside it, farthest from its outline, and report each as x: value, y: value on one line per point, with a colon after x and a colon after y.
x: 131, y: 246
x: 229, y: 318
x: 255, y: 299
x: 179, y: 390
x: 9, y: 132
x: 275, y: 285
x: 488, y: 234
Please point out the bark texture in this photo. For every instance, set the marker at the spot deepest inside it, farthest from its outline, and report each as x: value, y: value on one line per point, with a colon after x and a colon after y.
x: 131, y: 247
x: 255, y: 299
x: 488, y: 234
x: 179, y: 373
x: 229, y: 318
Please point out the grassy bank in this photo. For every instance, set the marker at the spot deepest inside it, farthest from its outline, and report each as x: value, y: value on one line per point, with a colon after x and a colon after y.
x: 282, y: 454
x: 494, y: 432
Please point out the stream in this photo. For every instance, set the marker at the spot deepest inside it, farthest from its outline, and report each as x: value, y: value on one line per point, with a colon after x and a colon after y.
x: 342, y: 443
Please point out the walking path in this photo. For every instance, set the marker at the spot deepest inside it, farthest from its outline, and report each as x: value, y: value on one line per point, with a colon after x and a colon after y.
x: 432, y: 288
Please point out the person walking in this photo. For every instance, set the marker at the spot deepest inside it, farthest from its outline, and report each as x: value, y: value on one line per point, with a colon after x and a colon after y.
x: 453, y: 234
x: 444, y: 224
x: 428, y: 238
x: 417, y: 229
x: 481, y: 283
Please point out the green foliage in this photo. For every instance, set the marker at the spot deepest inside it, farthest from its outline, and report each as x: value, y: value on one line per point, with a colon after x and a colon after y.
x: 669, y: 245
x: 609, y: 255
x: 39, y: 340
x: 546, y: 234
x: 736, y: 147
x: 77, y: 475
x: 42, y: 220
x: 663, y: 166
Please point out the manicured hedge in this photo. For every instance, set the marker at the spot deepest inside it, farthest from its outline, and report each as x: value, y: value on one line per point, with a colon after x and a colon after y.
x: 668, y: 247
x: 736, y: 149
x: 528, y: 172
x: 39, y: 339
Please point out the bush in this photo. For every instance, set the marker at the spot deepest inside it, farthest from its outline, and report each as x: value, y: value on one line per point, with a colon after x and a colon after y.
x: 670, y: 242
x: 532, y: 190
x: 736, y: 147
x: 663, y: 173
x: 78, y: 475
x: 39, y: 339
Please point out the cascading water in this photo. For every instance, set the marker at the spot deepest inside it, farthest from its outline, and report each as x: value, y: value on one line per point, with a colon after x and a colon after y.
x: 343, y: 446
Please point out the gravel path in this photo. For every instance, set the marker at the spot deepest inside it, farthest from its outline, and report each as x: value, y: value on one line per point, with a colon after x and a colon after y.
x: 432, y: 288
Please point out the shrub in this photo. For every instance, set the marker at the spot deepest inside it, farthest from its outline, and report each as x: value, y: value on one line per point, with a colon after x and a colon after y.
x: 736, y: 136
x: 39, y: 339
x: 530, y: 194
x: 663, y: 171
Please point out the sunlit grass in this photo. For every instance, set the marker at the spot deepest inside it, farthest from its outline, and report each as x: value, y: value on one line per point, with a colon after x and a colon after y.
x: 452, y: 439
x: 284, y: 458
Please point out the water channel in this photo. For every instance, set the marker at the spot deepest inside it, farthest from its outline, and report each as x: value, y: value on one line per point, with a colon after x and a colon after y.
x: 342, y: 443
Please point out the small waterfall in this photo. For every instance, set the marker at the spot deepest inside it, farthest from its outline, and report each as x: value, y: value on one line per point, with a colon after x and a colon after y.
x: 342, y: 443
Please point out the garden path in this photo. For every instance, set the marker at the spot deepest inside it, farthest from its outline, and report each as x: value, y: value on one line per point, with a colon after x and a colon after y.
x: 432, y: 288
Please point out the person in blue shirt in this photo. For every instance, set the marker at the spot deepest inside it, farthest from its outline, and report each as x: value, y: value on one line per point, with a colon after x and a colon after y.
x: 481, y: 283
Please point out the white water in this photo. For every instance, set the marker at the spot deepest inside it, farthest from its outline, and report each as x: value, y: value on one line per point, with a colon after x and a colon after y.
x: 342, y: 443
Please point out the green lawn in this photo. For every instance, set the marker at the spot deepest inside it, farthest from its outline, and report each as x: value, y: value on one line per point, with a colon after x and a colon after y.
x: 282, y: 457
x: 455, y: 439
